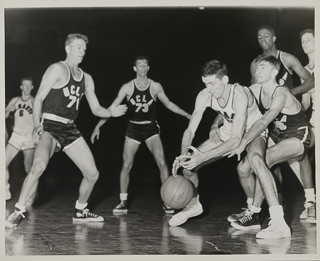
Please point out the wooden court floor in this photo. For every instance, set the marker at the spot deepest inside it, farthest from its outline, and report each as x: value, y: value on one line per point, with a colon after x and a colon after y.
x: 48, y: 229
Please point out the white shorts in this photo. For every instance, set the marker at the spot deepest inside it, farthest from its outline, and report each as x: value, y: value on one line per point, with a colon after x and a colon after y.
x: 21, y: 142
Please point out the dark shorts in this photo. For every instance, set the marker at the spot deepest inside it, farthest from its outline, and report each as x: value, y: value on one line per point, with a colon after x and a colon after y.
x: 142, y: 132
x: 63, y: 134
x: 302, y: 134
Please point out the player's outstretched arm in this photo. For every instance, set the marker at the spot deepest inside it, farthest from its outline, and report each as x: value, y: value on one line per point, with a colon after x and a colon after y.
x: 308, y: 80
x: 96, y: 108
x: 96, y: 131
x: 202, y: 102
x: 166, y: 102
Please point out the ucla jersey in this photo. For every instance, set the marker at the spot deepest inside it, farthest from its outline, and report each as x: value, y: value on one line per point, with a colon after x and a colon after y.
x: 141, y: 104
x: 65, y: 101
x: 23, y: 116
x: 228, y: 112
x: 285, y: 123
x: 284, y: 77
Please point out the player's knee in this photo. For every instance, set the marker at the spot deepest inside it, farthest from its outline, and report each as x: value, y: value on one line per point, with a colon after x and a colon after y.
x: 243, y: 169
x: 256, y: 162
x: 127, y: 165
x: 37, y: 168
x: 93, y: 176
x: 161, y: 163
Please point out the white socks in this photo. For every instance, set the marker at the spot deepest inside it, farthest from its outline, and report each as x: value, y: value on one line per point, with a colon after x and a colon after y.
x: 249, y: 202
x: 22, y: 208
x: 123, y: 196
x: 310, y: 195
x: 81, y: 206
x: 254, y: 209
x: 276, y: 212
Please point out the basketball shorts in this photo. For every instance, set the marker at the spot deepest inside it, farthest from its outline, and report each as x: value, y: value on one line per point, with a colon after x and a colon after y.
x: 302, y: 134
x: 142, y: 132
x: 21, y: 142
x: 65, y: 134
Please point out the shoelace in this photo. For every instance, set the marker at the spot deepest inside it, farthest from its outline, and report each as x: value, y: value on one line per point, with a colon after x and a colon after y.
x: 15, y: 215
x: 87, y: 213
x: 312, y: 210
x: 247, y: 216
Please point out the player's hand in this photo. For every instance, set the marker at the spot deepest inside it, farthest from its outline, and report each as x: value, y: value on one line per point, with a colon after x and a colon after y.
x: 95, y: 134
x: 118, y: 110
x: 194, y: 160
x: 214, y: 135
x: 236, y: 151
x: 36, y: 134
x: 175, y: 166
x: 177, y: 163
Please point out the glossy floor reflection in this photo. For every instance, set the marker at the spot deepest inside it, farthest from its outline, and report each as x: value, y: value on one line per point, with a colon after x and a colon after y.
x: 49, y: 230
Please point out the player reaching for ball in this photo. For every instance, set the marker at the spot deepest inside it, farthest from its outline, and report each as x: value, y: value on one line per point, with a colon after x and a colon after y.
x: 237, y: 112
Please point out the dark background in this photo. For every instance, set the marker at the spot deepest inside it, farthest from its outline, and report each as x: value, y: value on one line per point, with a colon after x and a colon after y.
x: 178, y: 42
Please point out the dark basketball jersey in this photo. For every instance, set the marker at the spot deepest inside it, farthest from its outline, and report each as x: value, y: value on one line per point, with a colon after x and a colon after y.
x: 284, y: 77
x: 284, y: 123
x: 141, y: 104
x: 64, y: 101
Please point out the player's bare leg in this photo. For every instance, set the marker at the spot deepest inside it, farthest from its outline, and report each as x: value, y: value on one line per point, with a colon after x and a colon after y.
x: 79, y: 152
x: 129, y: 151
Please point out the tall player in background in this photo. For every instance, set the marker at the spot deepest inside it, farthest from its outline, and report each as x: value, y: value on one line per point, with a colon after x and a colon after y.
x: 307, y: 42
x: 57, y: 105
x: 289, y: 64
x: 142, y: 94
x: 21, y: 137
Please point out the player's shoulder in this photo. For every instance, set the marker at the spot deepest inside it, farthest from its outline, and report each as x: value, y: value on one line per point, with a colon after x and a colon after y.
x: 154, y: 84
x: 288, y: 57
x: 203, y: 95
x: 280, y: 90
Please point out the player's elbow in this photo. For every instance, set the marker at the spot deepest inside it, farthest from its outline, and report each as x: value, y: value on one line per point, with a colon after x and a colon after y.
x: 96, y: 110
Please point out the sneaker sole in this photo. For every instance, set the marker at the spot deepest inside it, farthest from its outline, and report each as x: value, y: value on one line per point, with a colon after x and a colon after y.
x: 274, y: 237
x: 88, y: 219
x: 9, y: 225
x: 313, y: 221
x: 245, y: 228
x: 120, y: 211
x: 185, y: 220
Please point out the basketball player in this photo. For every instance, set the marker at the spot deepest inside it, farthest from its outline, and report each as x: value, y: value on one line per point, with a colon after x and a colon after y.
x: 309, y: 214
x: 288, y: 130
x: 288, y: 65
x: 57, y: 105
x: 142, y: 94
x: 21, y: 138
x: 238, y: 111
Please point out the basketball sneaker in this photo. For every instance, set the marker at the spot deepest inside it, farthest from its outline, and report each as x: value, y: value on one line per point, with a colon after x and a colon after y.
x: 15, y: 218
x: 277, y: 228
x: 249, y: 221
x: 235, y: 217
x: 122, y: 207
x: 194, y: 208
x: 167, y: 209
x: 85, y: 215
x: 309, y: 214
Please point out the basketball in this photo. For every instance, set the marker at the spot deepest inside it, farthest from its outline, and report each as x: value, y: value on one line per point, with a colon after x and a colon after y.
x: 176, y: 191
